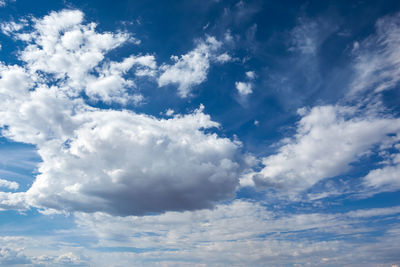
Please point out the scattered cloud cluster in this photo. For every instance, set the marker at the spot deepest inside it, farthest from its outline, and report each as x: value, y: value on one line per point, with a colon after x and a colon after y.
x: 244, y: 233
x: 106, y: 160
x: 246, y: 88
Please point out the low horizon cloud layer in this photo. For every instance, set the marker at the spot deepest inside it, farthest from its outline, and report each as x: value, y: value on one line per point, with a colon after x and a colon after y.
x: 183, y: 185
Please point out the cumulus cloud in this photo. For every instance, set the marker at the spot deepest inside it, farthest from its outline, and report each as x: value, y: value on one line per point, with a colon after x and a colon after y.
x: 244, y: 88
x: 38, y: 251
x: 13, y: 257
x: 61, y: 45
x: 191, y: 69
x: 9, y: 184
x: 310, y: 155
x: 126, y: 163
x: 118, y: 162
x: 12, y: 201
x: 11, y: 27
x: 377, y: 60
x: 385, y: 179
x: 251, y: 75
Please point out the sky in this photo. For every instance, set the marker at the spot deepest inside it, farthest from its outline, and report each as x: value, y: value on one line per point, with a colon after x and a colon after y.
x: 199, y: 133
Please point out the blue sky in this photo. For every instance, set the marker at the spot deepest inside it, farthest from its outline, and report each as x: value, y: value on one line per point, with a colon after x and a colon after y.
x: 199, y: 133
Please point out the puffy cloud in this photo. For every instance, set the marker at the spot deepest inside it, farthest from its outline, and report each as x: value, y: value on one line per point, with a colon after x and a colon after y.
x: 223, y: 58
x: 111, y: 86
x: 377, y: 62
x: 13, y: 257
x: 15, y: 201
x: 251, y: 75
x: 385, y: 179
x: 327, y: 140
x: 191, y: 69
x: 62, y: 46
x: 126, y: 163
x: 244, y: 88
x: 8, y: 28
x: 39, y: 251
x: 9, y: 184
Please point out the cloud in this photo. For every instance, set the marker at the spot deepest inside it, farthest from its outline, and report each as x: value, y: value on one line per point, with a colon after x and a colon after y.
x: 192, y: 68
x: 62, y: 46
x: 13, y: 201
x: 309, y: 156
x: 13, y: 257
x: 308, y: 35
x: 110, y: 86
x: 244, y: 88
x: 304, y: 37
x: 11, y: 27
x: 251, y: 75
x: 223, y: 58
x: 8, y: 184
x: 126, y: 163
x: 245, y: 233
x: 116, y: 161
x: 377, y: 60
x: 386, y: 179
x: 39, y: 251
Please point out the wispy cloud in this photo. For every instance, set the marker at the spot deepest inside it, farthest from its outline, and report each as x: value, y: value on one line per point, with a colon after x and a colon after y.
x: 377, y: 60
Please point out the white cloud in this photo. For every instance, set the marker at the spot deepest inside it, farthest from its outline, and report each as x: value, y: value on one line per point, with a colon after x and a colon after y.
x: 61, y: 45
x: 386, y: 179
x: 9, y: 184
x: 377, y: 64
x: 8, y: 28
x: 10, y: 257
x: 126, y: 163
x: 223, y: 58
x: 169, y: 112
x: 15, y: 201
x: 251, y: 75
x: 327, y: 140
x: 367, y: 213
x: 40, y: 251
x: 242, y: 233
x: 244, y: 88
x: 192, y: 68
